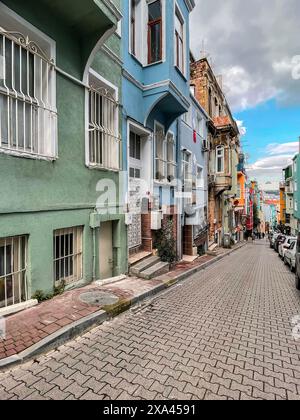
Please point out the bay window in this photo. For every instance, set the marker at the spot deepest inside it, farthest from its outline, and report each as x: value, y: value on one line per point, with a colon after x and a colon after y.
x: 154, y: 32
x: 171, y: 158
x: 179, y: 41
x: 220, y: 159
x: 28, y: 117
x: 160, y: 161
x: 133, y: 10
x: 165, y: 160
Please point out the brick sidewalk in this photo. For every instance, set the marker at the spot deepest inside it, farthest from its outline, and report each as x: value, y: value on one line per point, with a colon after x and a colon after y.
x: 27, y: 328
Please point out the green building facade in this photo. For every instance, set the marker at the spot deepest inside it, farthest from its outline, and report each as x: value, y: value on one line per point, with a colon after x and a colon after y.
x: 60, y: 146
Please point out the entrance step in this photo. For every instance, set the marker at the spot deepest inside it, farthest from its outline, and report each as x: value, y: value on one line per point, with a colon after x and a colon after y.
x: 138, y: 257
x: 155, y: 271
x: 137, y: 269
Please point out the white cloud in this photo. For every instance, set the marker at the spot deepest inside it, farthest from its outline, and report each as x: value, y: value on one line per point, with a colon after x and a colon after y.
x: 271, y: 163
x: 278, y: 149
x: 254, y: 45
x: 268, y: 169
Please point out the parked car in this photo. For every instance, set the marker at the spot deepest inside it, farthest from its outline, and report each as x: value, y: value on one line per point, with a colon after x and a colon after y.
x: 290, y: 255
x: 280, y: 238
x: 272, y: 239
x: 284, y: 246
x: 298, y: 263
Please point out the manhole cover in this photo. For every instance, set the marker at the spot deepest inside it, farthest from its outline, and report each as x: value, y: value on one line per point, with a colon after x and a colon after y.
x: 99, y: 298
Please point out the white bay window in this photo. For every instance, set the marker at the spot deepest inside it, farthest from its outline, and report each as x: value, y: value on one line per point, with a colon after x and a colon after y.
x: 165, y: 155
x: 28, y: 117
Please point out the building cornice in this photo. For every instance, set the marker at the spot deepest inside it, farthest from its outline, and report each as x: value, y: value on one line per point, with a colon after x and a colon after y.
x: 162, y: 84
x: 113, y: 9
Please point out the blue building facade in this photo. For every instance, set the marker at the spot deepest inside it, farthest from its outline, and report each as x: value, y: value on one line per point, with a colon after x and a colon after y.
x: 156, y: 93
x: 193, y: 161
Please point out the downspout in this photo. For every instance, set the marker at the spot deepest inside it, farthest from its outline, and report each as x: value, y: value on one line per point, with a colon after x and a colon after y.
x: 94, y: 255
x: 179, y: 216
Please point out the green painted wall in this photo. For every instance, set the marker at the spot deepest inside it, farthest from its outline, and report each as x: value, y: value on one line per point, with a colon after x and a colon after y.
x: 38, y: 197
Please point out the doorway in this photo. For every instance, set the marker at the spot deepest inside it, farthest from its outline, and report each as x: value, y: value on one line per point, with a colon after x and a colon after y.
x: 106, y: 259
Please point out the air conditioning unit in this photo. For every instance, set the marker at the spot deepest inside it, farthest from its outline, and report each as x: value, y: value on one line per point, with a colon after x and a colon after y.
x: 128, y: 219
x: 156, y: 220
x: 205, y: 145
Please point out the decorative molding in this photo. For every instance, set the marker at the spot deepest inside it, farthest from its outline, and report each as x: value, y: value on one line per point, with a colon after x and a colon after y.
x: 114, y: 10
x: 162, y: 84
x: 112, y: 55
x: 27, y: 44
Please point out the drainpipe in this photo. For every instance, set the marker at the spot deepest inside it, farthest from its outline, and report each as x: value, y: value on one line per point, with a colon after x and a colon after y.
x: 179, y: 216
x: 94, y: 254
x: 94, y: 225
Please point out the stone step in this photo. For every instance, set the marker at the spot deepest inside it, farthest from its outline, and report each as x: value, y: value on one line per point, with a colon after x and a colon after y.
x: 155, y: 271
x: 144, y: 265
x: 135, y: 259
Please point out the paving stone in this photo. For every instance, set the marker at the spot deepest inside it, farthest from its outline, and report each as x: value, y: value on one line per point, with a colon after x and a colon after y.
x: 224, y: 334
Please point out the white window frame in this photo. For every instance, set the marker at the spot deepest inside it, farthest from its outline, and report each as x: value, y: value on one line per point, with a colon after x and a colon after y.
x: 220, y: 156
x: 36, y: 139
x: 171, y: 163
x: 112, y: 138
x: 178, y: 11
x: 141, y: 44
x: 65, y: 261
x: 159, y: 128
x: 17, y: 275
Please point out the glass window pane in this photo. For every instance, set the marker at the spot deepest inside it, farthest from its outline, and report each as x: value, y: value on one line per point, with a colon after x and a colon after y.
x: 154, y: 11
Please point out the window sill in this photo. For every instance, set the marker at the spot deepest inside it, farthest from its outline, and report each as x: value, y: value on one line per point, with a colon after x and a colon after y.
x: 102, y: 168
x: 181, y: 73
x: 165, y: 183
x: 153, y: 64
x: 25, y: 155
x: 134, y: 57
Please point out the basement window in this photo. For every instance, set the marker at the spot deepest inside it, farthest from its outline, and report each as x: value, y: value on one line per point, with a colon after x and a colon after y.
x: 13, y: 271
x: 67, y: 249
x: 103, y: 127
x: 28, y: 116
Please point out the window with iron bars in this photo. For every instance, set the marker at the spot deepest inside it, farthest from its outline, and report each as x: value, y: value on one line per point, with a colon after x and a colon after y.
x: 104, y: 138
x: 67, y: 249
x: 28, y: 117
x: 13, y: 271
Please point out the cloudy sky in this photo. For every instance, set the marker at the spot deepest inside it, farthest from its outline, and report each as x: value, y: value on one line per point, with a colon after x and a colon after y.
x: 255, y: 47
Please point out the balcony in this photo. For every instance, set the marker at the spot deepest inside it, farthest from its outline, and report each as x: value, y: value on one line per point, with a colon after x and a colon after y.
x: 220, y: 183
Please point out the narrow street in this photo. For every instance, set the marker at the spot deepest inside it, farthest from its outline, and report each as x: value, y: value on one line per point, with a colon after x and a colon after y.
x: 225, y: 333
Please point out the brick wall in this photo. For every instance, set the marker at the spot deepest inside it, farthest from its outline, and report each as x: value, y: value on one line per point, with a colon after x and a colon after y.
x: 188, y: 242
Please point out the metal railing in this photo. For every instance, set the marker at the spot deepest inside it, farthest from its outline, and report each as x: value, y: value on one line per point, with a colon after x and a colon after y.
x: 13, y: 271
x: 28, y: 117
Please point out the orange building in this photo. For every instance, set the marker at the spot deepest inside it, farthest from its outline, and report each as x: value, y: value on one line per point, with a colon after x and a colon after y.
x: 282, y: 205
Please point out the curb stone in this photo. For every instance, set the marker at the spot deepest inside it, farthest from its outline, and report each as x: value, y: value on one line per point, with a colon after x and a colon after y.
x: 98, y: 318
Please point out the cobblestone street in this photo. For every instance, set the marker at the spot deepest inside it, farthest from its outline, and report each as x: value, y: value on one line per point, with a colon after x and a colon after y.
x: 226, y: 333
